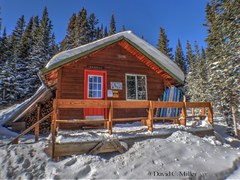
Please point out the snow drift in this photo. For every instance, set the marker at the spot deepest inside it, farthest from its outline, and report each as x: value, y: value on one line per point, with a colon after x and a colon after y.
x: 182, y: 155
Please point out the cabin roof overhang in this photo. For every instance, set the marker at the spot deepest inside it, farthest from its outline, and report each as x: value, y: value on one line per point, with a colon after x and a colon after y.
x: 168, y: 67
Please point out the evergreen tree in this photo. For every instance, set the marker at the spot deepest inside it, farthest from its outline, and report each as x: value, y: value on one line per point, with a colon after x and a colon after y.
x: 15, y: 63
x: 179, y: 57
x: 5, y: 71
x: 3, y: 49
x: 92, y: 30
x: 53, y: 46
x: 222, y: 21
x: 81, y: 28
x: 41, y: 53
x: 191, y: 76
x: 100, y: 34
x: 163, y: 44
x: 123, y: 28
x: 112, y: 25
x: 105, y: 31
x: 68, y: 41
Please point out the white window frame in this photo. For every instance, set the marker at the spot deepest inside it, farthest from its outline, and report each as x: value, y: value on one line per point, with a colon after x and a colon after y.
x: 136, y: 87
x: 101, y: 87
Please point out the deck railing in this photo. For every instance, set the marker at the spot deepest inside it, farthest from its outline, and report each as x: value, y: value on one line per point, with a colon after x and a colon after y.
x: 121, y: 104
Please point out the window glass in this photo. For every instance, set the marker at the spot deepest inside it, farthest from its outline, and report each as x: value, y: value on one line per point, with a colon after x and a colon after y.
x: 131, y: 87
x: 136, y: 87
x: 94, y: 86
x: 141, y: 87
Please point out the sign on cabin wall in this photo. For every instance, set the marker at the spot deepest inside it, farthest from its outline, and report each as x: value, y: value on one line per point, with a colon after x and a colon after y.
x: 116, y: 85
x: 115, y: 94
x: 95, y: 67
x: 112, y: 93
x: 109, y: 93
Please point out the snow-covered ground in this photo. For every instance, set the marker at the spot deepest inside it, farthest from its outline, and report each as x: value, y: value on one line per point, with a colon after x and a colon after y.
x: 180, y: 156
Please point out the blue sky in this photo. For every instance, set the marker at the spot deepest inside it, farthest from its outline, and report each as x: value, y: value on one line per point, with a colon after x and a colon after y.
x: 181, y: 18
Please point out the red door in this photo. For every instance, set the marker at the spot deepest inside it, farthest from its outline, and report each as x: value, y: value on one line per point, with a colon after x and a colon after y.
x: 95, y: 89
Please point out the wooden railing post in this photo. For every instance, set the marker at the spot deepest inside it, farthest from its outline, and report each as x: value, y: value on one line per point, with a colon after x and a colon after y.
x: 193, y: 114
x: 150, y: 117
x: 202, y: 113
x: 110, y: 117
x: 36, y: 129
x: 184, y: 112
x: 210, y: 114
x: 53, y: 126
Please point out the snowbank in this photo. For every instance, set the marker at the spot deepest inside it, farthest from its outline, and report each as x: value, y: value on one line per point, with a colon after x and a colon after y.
x: 124, y: 131
x: 181, y: 155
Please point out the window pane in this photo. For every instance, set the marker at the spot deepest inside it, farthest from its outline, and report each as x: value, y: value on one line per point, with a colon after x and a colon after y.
x: 131, y: 87
x: 90, y: 94
x: 99, y: 94
x: 95, y: 86
x: 90, y: 87
x: 99, y: 87
x: 94, y: 93
x: 95, y: 79
x: 141, y: 87
x: 99, y: 79
x: 90, y: 79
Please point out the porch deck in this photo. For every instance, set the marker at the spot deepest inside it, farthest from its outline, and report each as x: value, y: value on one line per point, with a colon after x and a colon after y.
x: 99, y: 141
x: 112, y: 139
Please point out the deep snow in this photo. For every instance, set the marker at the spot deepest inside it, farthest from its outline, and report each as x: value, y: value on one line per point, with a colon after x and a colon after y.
x: 180, y: 156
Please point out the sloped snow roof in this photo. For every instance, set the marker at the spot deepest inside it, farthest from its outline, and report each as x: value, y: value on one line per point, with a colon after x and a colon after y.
x: 17, y: 112
x: 155, y: 55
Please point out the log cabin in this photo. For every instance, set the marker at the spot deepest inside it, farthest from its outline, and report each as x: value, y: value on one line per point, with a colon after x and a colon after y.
x: 118, y: 67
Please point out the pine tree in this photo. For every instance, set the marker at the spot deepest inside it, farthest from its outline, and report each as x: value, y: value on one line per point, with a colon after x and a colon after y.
x: 100, y: 34
x: 179, y: 57
x: 223, y: 55
x: 68, y: 41
x: 53, y: 46
x: 92, y: 30
x: 16, y: 64
x: 81, y: 28
x: 163, y: 44
x: 41, y: 53
x: 5, y: 71
x: 123, y: 28
x: 105, y: 32
x: 112, y: 25
x: 191, y: 76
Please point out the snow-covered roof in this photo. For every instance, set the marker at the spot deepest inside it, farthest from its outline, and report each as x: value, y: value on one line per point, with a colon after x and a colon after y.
x: 153, y: 54
x: 19, y: 111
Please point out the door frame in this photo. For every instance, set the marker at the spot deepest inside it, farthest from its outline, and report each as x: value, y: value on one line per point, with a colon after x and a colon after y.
x: 104, y: 87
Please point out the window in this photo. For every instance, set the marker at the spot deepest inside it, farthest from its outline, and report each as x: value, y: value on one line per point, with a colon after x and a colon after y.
x: 94, y: 86
x: 136, y: 87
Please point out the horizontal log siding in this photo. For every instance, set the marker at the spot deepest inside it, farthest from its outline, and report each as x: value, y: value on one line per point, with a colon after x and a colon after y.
x: 111, y: 59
